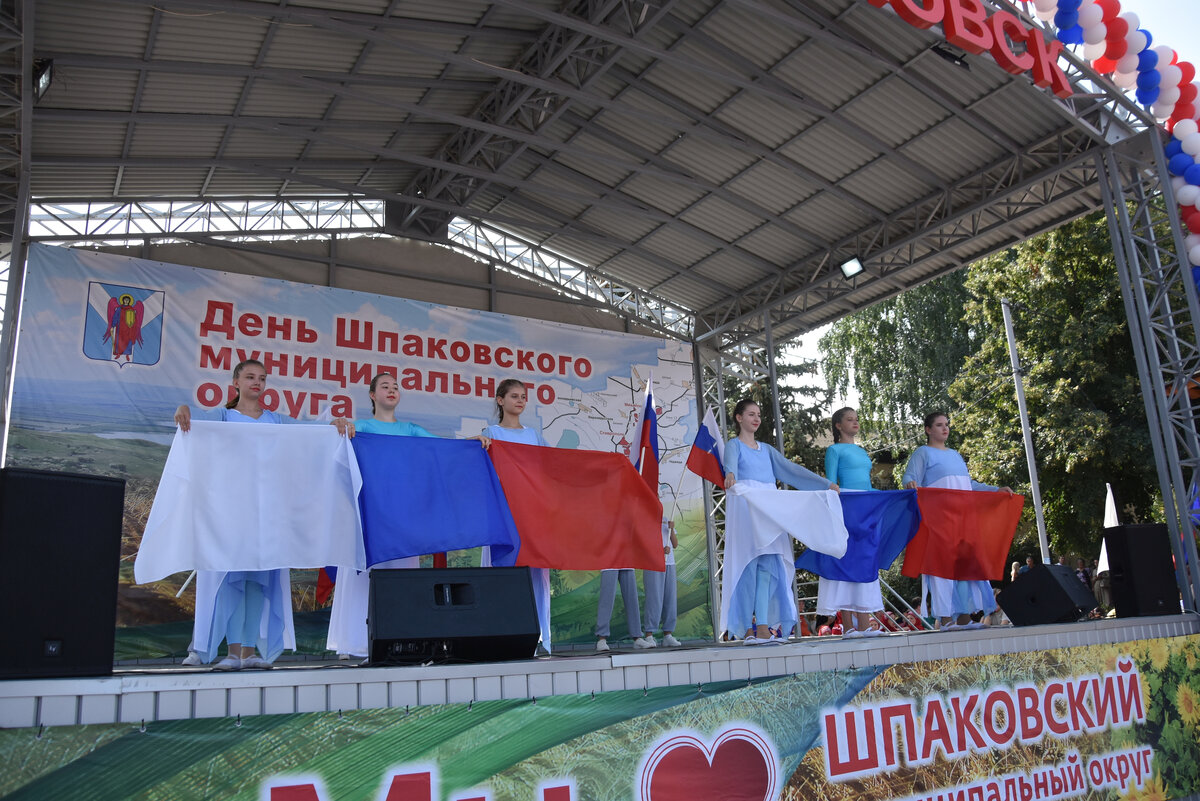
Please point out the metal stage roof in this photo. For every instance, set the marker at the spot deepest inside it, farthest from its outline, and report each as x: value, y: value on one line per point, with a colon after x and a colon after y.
x: 716, y: 158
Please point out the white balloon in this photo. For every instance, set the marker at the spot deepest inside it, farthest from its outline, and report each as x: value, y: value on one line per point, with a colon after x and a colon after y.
x: 1125, y: 80
x: 1132, y: 19
x: 1136, y: 41
x: 1191, y: 241
x: 1095, y: 35
x: 1170, y: 95
x: 1194, y: 255
x: 1090, y: 15
x: 1165, y: 54
x: 1177, y: 183
x: 1190, y: 142
x: 1185, y: 128
x: 1047, y: 15
x: 1093, y: 51
x: 1162, y: 111
x: 1046, y: 5
x: 1128, y: 63
x: 1169, y: 76
x: 1187, y: 195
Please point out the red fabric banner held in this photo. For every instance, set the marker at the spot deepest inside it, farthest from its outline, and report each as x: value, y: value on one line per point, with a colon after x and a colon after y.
x: 964, y: 534
x: 579, y: 510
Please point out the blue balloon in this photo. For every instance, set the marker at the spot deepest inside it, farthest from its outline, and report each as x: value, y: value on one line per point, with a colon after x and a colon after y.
x: 1192, y: 175
x: 1173, y: 148
x: 1147, y: 96
x: 1072, y: 35
x: 1149, y: 38
x: 1069, y: 5
x: 1147, y: 60
x: 1180, y: 163
x: 1066, y: 19
x: 1196, y: 275
x: 1149, y: 79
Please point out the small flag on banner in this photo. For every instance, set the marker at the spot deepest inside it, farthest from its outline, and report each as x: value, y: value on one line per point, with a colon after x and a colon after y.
x: 705, y: 457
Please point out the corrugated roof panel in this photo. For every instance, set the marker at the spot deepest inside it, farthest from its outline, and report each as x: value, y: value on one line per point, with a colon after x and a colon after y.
x: 252, y: 143
x: 362, y: 145
x: 302, y: 47
x: 627, y: 265
x: 828, y: 151
x: 219, y: 38
x: 765, y: 120
x: 93, y: 139
x: 596, y: 159
x: 722, y: 218
x: 773, y: 187
x: 354, y: 6
x: 707, y: 159
x: 396, y: 60
x: 73, y: 181
x: 705, y: 93
x: 776, y: 245
x: 669, y: 196
x: 174, y: 92
x: 731, y: 269
x: 893, y: 111
x: 161, y: 182
x: 677, y: 244
x: 630, y: 229
x: 740, y: 32
x: 953, y: 149
x: 842, y: 75
x: 363, y: 109
x: 111, y: 29
x: 86, y: 88
x: 152, y: 140
x: 274, y: 99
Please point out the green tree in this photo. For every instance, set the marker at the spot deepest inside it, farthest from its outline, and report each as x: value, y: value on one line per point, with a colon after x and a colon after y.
x: 802, y: 402
x: 900, y: 355
x: 1081, y: 385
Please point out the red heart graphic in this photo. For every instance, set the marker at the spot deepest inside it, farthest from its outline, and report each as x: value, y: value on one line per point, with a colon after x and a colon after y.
x: 739, y: 766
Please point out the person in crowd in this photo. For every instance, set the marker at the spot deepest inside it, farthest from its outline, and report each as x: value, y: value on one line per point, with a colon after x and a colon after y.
x: 661, y: 591
x: 936, y: 465
x: 760, y: 597
x: 1025, y: 568
x: 511, y: 399
x: 250, y: 609
x: 627, y: 578
x: 1014, y: 572
x: 849, y: 466
x: 1083, y: 574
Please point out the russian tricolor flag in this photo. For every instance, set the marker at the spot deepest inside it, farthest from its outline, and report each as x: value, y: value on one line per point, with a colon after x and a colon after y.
x: 646, y: 440
x: 705, y: 457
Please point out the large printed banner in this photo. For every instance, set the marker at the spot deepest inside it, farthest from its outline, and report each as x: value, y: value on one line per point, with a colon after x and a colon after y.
x: 1095, y: 722
x: 109, y: 346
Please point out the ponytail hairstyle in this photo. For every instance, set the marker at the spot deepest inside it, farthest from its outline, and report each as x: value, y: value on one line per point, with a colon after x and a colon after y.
x: 739, y: 409
x: 237, y: 396
x: 501, y: 391
x: 837, y: 418
x: 375, y: 381
x: 929, y: 418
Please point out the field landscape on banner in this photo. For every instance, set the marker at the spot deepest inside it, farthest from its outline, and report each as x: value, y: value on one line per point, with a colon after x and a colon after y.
x: 83, y: 404
x: 1095, y: 722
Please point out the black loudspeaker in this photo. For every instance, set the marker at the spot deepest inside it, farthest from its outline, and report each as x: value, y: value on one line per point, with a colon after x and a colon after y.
x: 469, y: 614
x: 1141, y: 570
x: 60, y: 550
x: 1046, y: 594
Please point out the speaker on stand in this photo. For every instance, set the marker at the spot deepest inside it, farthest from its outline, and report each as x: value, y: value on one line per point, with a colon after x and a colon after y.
x: 1141, y: 570
x: 1046, y: 594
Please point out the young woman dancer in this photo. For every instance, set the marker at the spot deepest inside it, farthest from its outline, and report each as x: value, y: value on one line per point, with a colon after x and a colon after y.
x: 935, y: 465
x: 759, y: 589
x: 236, y: 606
x: 511, y: 399
x: 849, y: 466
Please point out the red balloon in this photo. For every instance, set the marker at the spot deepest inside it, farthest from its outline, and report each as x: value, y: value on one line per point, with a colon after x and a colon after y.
x: 1187, y: 92
x: 1185, y: 212
x: 1116, y: 48
x: 1189, y: 72
x: 1184, y: 111
x: 1104, y: 65
x: 1193, y: 223
x: 1117, y: 29
x: 1111, y: 8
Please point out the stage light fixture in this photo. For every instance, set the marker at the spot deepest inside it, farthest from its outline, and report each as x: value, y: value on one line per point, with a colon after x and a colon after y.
x: 851, y: 268
x: 43, y: 74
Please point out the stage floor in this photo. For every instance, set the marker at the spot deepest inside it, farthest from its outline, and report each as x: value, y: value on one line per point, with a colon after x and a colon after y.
x: 164, y: 690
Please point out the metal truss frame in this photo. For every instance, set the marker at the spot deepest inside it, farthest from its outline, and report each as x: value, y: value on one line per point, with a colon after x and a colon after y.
x: 1164, y: 323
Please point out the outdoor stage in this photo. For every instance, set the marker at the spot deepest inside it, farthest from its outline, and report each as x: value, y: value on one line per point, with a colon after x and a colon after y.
x: 158, y: 691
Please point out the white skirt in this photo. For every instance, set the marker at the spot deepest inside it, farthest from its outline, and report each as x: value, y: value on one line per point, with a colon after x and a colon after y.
x: 856, y: 596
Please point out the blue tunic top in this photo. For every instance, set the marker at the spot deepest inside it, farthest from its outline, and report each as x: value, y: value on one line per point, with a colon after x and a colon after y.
x: 234, y: 416
x: 848, y: 466
x: 400, y: 428
x: 768, y: 466
x: 526, y: 436
x: 928, y: 465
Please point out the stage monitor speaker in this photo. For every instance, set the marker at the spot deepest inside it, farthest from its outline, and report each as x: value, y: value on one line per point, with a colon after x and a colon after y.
x: 60, y: 551
x: 1046, y: 594
x: 469, y: 614
x: 1141, y: 570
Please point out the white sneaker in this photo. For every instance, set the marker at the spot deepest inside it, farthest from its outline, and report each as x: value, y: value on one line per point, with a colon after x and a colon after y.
x: 650, y: 639
x: 645, y: 642
x: 229, y: 663
x: 601, y: 645
x: 192, y: 660
x: 850, y: 634
x: 256, y: 662
x: 670, y: 641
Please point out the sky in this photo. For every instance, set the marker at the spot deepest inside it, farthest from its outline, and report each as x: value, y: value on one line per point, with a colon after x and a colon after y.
x: 1175, y: 23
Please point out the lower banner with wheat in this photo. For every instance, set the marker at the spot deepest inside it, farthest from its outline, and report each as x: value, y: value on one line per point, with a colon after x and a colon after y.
x: 1094, y: 722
